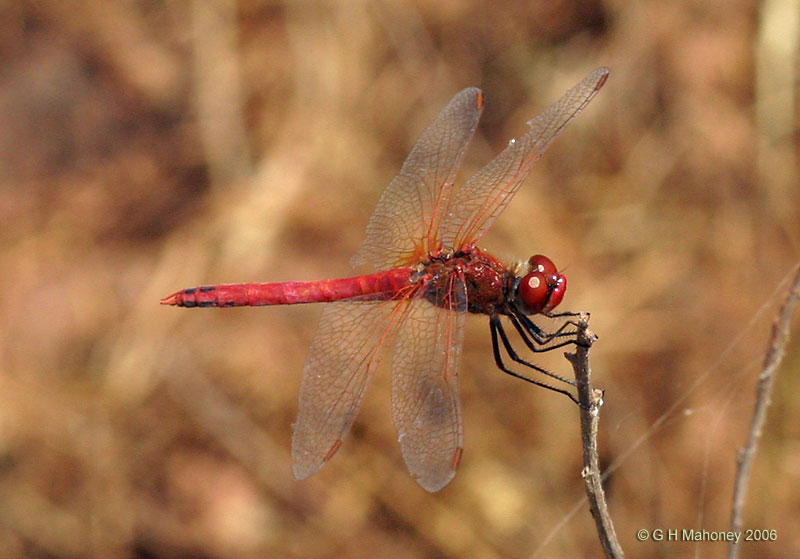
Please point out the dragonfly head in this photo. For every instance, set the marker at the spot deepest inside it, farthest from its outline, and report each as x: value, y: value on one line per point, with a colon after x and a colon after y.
x: 541, y: 289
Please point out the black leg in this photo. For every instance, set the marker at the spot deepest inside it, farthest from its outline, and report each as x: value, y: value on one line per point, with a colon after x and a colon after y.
x: 517, y: 359
x: 496, y: 328
x: 540, y: 336
x: 560, y: 314
x: 536, y: 339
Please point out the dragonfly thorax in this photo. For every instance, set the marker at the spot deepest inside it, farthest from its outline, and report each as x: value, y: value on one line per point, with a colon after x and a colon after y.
x: 467, y: 280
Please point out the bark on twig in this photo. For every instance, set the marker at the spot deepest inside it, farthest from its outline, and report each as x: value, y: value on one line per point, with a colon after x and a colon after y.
x: 776, y: 349
x: 591, y: 399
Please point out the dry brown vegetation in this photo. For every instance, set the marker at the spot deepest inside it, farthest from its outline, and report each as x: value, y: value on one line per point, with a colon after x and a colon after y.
x: 150, y: 146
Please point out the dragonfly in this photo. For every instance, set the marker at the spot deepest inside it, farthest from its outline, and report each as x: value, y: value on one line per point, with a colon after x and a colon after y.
x: 422, y: 240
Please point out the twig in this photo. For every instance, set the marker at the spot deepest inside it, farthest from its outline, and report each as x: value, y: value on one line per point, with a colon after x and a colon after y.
x: 591, y: 399
x: 774, y: 355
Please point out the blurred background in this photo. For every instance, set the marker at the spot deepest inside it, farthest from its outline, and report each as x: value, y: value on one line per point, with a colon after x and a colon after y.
x: 147, y: 147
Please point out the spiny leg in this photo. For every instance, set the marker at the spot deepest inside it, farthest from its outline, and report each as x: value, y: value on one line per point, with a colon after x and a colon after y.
x: 544, y: 337
x: 536, y: 338
x: 517, y: 359
x: 496, y: 328
x: 561, y: 314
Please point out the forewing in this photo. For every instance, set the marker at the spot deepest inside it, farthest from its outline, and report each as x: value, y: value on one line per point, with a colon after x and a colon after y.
x: 337, y: 370
x: 476, y: 205
x: 406, y: 223
x: 425, y: 405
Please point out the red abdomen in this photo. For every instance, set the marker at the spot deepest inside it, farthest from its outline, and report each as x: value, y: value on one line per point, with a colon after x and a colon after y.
x: 371, y: 287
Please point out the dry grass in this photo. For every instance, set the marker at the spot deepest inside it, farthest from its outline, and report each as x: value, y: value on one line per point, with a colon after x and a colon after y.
x: 147, y: 147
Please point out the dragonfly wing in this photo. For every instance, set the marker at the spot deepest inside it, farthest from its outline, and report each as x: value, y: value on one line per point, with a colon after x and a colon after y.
x: 337, y: 370
x: 425, y: 405
x: 484, y: 196
x: 406, y: 222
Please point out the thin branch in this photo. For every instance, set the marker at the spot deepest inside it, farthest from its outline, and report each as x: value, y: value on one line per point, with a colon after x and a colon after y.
x: 591, y: 399
x: 776, y: 349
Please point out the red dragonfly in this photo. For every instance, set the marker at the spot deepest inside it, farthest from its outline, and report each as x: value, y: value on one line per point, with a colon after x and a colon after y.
x: 422, y: 237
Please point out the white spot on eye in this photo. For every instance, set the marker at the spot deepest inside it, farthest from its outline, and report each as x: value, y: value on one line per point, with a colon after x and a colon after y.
x: 512, y: 141
x: 534, y: 282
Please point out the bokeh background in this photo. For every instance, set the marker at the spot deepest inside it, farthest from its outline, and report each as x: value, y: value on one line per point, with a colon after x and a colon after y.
x: 151, y: 146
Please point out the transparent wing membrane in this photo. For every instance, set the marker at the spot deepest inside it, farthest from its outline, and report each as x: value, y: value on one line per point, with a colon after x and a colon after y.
x: 483, y: 197
x: 409, y: 213
x: 340, y: 363
x: 426, y: 409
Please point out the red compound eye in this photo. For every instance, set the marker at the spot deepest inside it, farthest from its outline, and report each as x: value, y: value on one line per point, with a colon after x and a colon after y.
x: 557, y: 291
x: 532, y: 292
x: 540, y: 263
x: 543, y: 288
